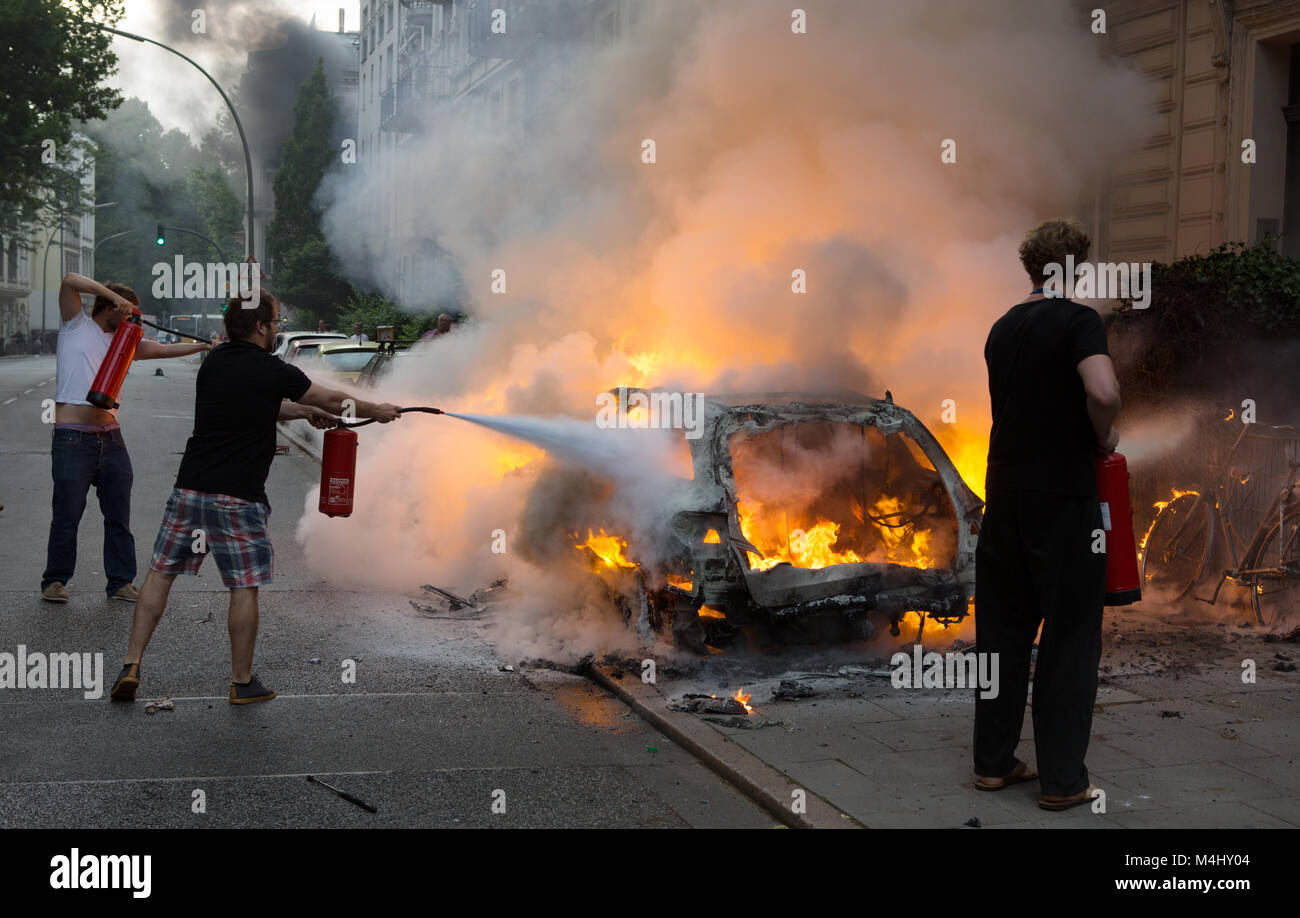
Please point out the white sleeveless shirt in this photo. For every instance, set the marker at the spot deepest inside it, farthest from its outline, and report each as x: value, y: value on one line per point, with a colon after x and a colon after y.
x: 82, y: 346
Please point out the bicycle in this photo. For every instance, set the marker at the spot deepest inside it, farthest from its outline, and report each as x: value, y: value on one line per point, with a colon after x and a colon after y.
x: 1187, y: 533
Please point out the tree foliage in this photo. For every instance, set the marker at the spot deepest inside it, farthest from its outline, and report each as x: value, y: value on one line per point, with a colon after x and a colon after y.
x: 156, y: 176
x: 1205, y: 311
x: 54, y: 62
x: 307, y: 276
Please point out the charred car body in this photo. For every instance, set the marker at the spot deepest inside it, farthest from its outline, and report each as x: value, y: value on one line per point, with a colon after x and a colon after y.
x: 893, y: 522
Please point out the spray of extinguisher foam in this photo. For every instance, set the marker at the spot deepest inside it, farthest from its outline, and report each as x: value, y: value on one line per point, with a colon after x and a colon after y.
x: 1123, y: 582
x: 338, y: 465
x: 112, y: 372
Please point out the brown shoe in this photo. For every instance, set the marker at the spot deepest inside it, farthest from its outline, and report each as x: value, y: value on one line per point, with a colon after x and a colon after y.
x: 127, y: 593
x: 1057, y: 804
x: 55, y: 592
x: 1018, y: 775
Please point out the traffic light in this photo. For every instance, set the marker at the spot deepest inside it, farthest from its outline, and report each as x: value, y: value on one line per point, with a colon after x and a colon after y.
x: 162, y: 237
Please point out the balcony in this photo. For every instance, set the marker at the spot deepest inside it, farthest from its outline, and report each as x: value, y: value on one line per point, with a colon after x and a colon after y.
x: 411, y: 99
x: 527, y: 23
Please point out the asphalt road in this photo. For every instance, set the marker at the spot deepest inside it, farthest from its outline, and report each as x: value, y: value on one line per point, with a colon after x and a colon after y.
x: 432, y: 732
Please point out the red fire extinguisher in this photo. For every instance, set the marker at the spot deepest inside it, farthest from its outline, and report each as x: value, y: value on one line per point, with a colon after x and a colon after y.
x: 1123, y: 583
x: 338, y: 465
x: 112, y: 372
x: 338, y: 472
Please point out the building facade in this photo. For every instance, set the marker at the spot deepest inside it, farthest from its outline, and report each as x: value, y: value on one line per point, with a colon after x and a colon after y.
x: 1225, y: 164
x: 59, y: 246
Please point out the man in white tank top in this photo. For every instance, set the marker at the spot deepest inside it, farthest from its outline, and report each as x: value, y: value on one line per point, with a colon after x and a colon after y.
x: 87, y: 446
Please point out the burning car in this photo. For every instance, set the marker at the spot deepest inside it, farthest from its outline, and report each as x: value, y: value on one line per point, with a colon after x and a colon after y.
x: 805, y: 517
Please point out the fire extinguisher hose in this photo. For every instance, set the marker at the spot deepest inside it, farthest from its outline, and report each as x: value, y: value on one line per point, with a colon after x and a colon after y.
x: 425, y: 410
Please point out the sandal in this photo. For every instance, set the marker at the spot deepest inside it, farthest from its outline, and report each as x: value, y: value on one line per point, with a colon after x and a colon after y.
x: 1057, y: 804
x: 1018, y: 775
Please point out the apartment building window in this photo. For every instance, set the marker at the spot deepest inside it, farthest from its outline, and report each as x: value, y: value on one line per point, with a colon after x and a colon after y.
x: 1291, y: 181
x: 12, y: 272
x: 392, y: 14
x: 72, y: 262
x: 88, y: 260
x: 363, y: 92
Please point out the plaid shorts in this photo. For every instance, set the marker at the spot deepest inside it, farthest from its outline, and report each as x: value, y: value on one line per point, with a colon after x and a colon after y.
x: 234, y: 530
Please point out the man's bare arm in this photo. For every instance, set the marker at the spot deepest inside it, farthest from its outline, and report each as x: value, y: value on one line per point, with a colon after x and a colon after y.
x: 332, y: 400
x: 292, y: 411
x: 1102, y: 388
x: 153, y: 350
x: 70, y: 295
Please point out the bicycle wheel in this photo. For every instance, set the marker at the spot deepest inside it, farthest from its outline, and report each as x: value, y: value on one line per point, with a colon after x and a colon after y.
x: 1176, y: 545
x: 1275, y: 583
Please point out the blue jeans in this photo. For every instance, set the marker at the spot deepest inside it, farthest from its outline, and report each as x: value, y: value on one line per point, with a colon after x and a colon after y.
x: 79, y: 460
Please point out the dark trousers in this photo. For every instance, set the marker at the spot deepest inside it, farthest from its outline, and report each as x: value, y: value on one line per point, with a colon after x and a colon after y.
x: 79, y: 460
x: 1035, y: 564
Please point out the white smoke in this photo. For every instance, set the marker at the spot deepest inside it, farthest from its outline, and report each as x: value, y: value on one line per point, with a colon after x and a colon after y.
x: 774, y: 151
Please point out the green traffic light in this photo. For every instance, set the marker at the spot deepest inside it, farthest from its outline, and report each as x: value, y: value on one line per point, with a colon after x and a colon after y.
x: 162, y: 237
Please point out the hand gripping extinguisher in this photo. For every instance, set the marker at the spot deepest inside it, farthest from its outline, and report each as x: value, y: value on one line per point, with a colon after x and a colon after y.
x: 112, y: 372
x: 1123, y: 584
x: 338, y: 465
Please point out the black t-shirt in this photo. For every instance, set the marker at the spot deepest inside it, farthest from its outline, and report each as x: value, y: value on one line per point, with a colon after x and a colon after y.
x: 237, y: 399
x: 1042, y: 439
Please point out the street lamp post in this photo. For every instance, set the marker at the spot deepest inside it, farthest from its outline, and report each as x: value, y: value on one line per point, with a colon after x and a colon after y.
x: 248, y: 159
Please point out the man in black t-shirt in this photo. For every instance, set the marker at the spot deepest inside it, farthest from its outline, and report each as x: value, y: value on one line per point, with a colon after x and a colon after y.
x: 1055, y: 399
x: 219, y: 503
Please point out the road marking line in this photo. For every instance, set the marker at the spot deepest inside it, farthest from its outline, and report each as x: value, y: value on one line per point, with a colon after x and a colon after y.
x: 340, y: 774
x: 8, y: 400
x: 25, y: 391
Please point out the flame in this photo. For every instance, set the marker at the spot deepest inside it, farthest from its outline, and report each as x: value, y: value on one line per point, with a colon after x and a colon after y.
x: 682, y: 583
x: 712, y: 538
x: 813, y: 549
x: 744, y: 699
x: 608, y: 548
x: 1158, y: 506
x: 898, y: 548
x: 1231, y: 414
x: 969, y: 452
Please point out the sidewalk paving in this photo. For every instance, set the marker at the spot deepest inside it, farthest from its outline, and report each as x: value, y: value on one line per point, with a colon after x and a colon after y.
x: 1186, y: 747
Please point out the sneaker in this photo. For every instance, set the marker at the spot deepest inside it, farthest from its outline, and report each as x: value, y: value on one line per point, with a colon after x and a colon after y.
x: 55, y: 592
x: 126, y: 593
x: 128, y: 680
x: 250, y: 691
